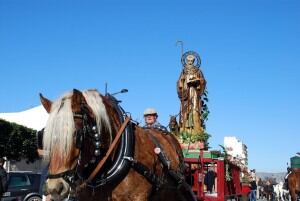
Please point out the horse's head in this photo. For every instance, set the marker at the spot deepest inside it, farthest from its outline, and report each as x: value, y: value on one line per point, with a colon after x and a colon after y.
x: 77, y: 134
x: 173, y: 125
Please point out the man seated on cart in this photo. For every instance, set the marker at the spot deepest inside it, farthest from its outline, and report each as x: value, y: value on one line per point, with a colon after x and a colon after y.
x: 150, y: 116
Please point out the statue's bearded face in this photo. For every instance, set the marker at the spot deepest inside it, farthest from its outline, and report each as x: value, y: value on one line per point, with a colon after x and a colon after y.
x: 190, y: 59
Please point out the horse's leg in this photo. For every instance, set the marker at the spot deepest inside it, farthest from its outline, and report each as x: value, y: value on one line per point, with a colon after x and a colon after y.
x: 293, y: 195
x: 286, y: 196
x: 280, y: 196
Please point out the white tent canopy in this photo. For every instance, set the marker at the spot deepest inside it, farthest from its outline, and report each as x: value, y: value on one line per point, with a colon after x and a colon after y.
x: 34, y: 118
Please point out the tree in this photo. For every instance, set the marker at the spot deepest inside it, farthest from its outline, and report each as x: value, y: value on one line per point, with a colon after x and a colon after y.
x: 17, y: 142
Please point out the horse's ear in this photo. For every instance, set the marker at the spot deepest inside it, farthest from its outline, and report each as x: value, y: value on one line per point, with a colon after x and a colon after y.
x: 46, y: 103
x: 77, y: 96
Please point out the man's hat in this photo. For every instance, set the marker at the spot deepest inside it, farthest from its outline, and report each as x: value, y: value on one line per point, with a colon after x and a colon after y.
x: 150, y: 111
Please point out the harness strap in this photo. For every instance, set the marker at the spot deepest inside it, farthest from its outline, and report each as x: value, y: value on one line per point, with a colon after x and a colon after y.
x: 104, y: 159
x: 68, y: 176
x: 161, y: 155
x: 156, y: 182
x: 145, y: 171
x: 166, y: 162
x: 62, y: 174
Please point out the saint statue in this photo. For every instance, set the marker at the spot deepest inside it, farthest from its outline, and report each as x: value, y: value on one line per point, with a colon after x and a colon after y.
x: 190, y: 87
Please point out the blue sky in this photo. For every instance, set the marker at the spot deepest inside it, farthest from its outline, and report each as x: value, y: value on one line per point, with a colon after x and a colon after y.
x: 249, y: 50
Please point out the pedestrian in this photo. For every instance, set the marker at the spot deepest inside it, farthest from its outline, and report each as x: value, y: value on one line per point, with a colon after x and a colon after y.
x: 209, y: 179
x: 253, y: 188
x: 44, y: 172
x: 259, y: 190
x: 285, y: 184
x: 269, y: 189
x: 3, y: 177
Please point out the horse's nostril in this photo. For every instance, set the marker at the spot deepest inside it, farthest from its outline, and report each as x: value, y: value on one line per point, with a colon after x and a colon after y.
x: 60, y: 188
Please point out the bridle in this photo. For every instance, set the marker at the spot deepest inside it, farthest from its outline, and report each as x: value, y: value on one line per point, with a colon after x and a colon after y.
x: 88, y: 130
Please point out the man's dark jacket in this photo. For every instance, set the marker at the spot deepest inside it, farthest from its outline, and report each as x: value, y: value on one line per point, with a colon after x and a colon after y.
x: 3, y: 179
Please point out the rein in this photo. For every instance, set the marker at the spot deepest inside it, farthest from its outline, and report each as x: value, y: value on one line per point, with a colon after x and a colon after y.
x: 104, y: 159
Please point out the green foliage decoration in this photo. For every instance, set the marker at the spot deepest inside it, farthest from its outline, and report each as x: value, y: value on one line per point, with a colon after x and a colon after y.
x: 204, y: 109
x: 224, y: 154
x: 17, y: 142
x: 187, y: 137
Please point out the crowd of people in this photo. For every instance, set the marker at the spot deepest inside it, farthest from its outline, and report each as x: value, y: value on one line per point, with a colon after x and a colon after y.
x: 266, y: 189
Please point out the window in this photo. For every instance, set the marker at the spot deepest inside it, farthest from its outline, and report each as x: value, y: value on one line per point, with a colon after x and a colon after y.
x: 18, y: 180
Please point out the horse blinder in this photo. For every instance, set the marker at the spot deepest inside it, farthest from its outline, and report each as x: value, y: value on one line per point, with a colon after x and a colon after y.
x: 80, y: 136
x: 90, y: 131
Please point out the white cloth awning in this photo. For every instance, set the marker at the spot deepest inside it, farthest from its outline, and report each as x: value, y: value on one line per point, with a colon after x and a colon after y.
x: 34, y: 118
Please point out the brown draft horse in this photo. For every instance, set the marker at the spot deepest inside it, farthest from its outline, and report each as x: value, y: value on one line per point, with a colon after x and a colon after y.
x: 294, y: 184
x: 81, y: 133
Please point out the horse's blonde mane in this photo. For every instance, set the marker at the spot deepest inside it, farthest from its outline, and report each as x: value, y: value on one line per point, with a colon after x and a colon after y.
x: 60, y: 127
x: 95, y: 102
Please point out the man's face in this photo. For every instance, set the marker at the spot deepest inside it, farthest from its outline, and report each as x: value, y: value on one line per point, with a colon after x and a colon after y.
x: 150, y: 119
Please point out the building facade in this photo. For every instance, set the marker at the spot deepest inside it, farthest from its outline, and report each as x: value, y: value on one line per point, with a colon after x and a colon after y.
x: 236, y: 150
